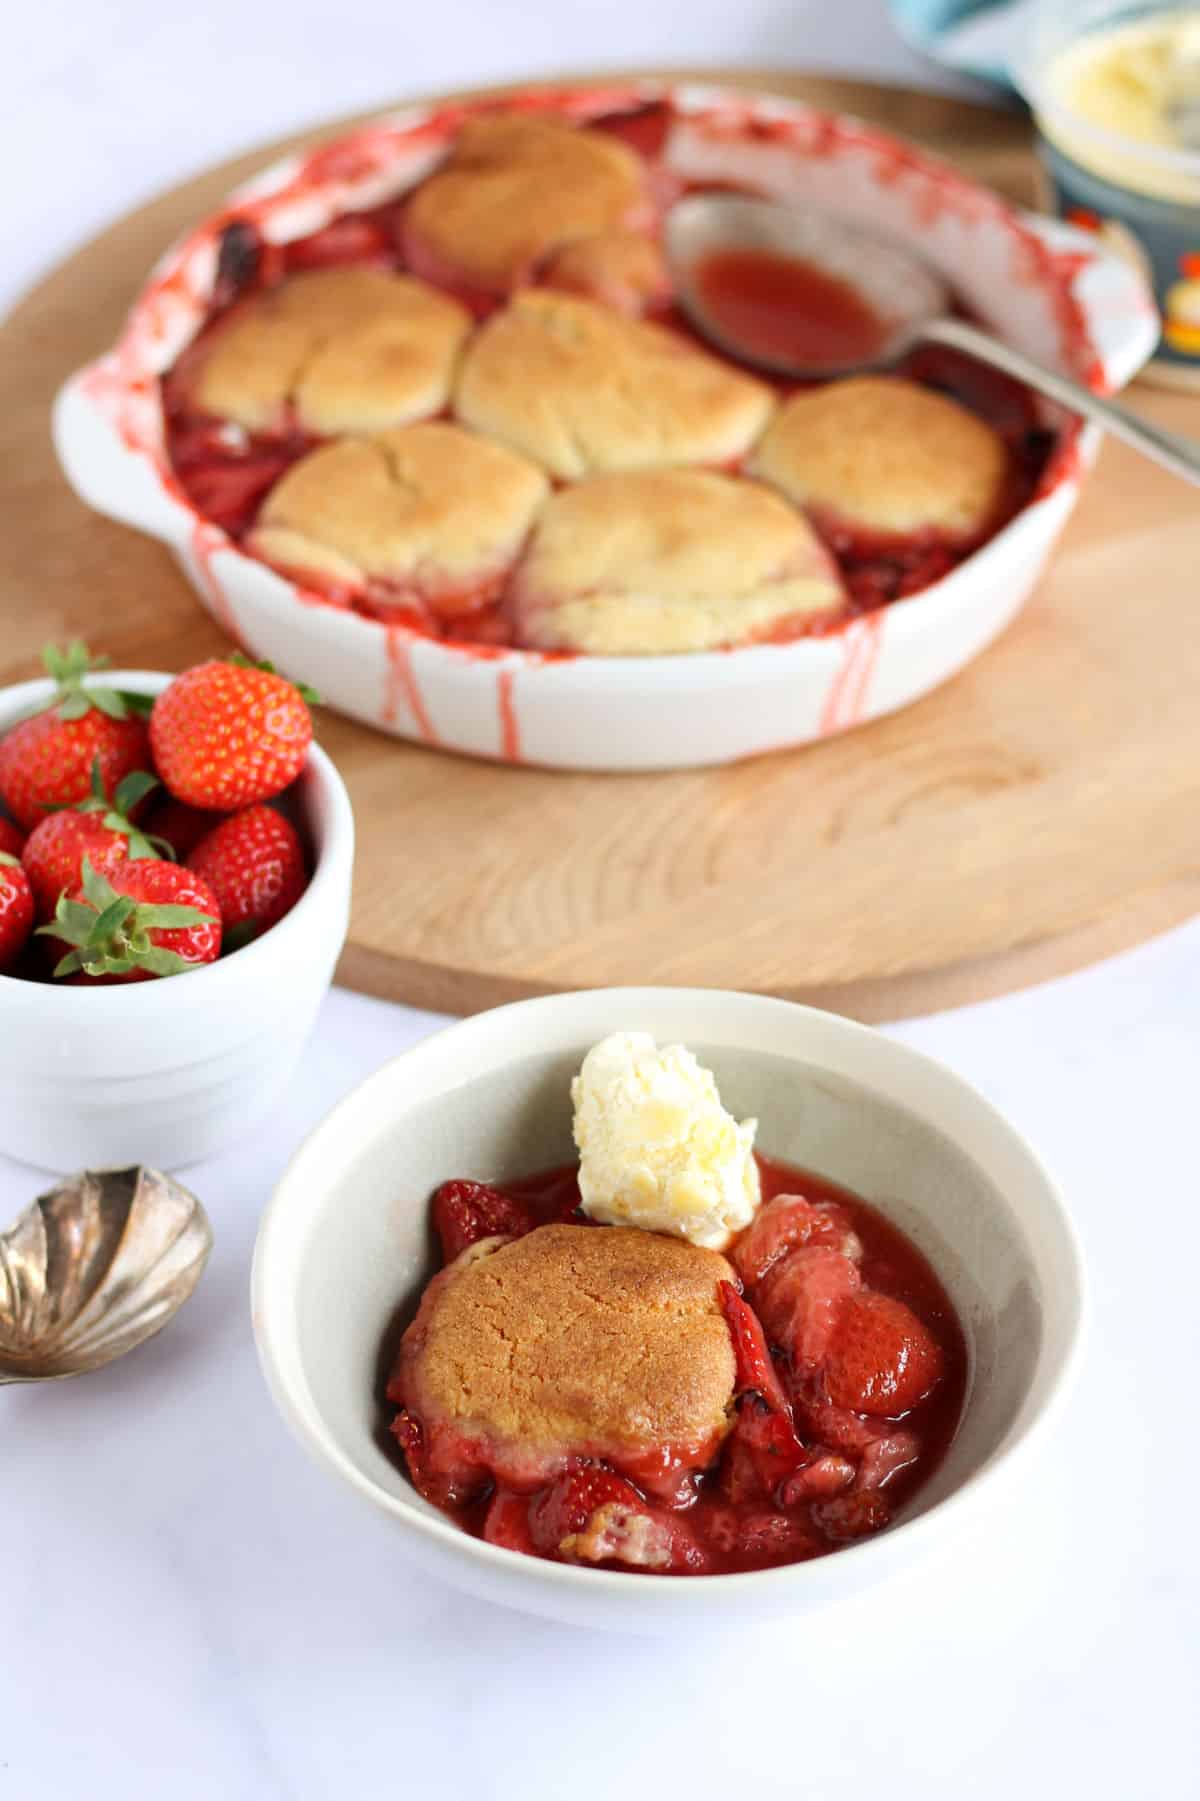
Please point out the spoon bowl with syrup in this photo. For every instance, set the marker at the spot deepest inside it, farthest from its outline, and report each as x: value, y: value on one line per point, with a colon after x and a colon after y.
x: 805, y: 296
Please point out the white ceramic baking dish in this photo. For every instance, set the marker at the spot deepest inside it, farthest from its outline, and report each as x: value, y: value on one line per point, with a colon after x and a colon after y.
x: 1046, y: 287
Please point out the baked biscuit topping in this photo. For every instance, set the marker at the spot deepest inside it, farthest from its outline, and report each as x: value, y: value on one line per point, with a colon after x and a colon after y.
x: 573, y: 1341
x: 579, y: 388
x: 513, y: 188
x: 880, y: 455
x: 344, y: 349
x: 668, y: 560
x: 427, y: 513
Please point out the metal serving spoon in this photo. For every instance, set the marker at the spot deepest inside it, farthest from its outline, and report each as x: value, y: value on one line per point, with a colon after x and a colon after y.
x: 93, y: 1267
x: 909, y: 300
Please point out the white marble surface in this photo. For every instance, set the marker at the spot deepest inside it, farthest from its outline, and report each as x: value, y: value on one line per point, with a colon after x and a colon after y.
x: 191, y: 1609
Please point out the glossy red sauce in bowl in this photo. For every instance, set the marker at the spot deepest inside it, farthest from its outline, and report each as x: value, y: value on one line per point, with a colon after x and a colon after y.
x: 801, y: 1474
x: 785, y: 310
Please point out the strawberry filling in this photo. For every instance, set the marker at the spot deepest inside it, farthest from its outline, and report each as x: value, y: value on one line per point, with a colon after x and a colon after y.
x: 226, y: 475
x: 850, y: 1379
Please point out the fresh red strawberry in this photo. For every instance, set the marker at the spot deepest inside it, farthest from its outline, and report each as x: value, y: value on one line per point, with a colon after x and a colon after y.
x: 99, y: 829
x: 225, y: 735
x: 801, y: 1301
x: 254, y: 864
x: 881, y: 1359
x: 147, y: 918
x: 788, y: 1223
x: 12, y: 839
x: 181, y: 826
x: 465, y: 1212
x: 16, y: 910
x: 47, y: 761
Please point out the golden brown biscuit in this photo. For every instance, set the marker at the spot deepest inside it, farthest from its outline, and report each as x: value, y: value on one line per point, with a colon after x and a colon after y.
x: 668, y: 560
x: 623, y: 270
x: 348, y: 349
x: 878, y: 454
x: 513, y: 188
x: 429, y: 513
x: 578, y: 388
x: 575, y: 1341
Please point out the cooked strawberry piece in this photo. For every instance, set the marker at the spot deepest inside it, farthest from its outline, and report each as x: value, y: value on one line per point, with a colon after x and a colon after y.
x: 465, y: 1212
x: 755, y: 1370
x: 760, y: 1452
x: 890, y: 1454
x: 354, y: 238
x: 570, y: 1501
x: 824, y: 1476
x: 880, y: 1358
x: 507, y: 1522
x: 761, y: 1537
x: 801, y: 1301
x: 789, y: 1223
x: 879, y: 1449
x: 851, y: 1516
x: 228, y: 489
x: 591, y: 1515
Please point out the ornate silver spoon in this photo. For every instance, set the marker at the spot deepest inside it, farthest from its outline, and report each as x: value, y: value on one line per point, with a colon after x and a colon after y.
x: 907, y: 300
x: 93, y: 1267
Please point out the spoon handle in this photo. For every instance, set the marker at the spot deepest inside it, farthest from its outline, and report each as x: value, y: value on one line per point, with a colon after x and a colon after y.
x: 1179, y: 455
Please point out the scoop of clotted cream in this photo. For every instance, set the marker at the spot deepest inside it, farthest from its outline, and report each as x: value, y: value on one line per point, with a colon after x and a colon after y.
x: 656, y: 1147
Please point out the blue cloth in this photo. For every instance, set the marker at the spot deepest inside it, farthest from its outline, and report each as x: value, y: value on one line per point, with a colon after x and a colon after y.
x: 976, y: 37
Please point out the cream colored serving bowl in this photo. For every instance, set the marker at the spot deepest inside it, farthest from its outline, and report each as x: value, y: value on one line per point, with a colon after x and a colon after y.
x: 346, y: 1238
x: 170, y: 1071
x: 1048, y: 288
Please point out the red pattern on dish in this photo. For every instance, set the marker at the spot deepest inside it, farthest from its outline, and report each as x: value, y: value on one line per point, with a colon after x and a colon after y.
x: 403, y: 687
x: 797, y: 1476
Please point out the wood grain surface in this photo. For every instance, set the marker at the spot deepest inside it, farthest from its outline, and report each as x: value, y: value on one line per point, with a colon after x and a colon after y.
x: 1040, y: 811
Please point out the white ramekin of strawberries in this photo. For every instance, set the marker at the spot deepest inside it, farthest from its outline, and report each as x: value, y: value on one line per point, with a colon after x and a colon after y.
x: 175, y: 864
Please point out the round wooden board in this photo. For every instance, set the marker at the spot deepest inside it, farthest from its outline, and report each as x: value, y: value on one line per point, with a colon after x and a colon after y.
x: 1040, y: 811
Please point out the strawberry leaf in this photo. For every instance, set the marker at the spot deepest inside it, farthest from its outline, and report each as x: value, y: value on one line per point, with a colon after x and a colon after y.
x: 172, y: 918
x: 7, y: 858
x: 107, y: 701
x: 69, y: 666
x: 131, y: 789
x: 111, y: 932
x: 241, y: 661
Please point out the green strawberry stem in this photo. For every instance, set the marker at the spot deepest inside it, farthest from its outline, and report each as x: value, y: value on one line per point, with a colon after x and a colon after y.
x: 241, y: 661
x: 115, y: 812
x: 110, y: 932
x: 68, y: 666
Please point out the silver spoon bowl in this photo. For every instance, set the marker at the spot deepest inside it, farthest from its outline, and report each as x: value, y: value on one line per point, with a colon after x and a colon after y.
x: 93, y: 1268
x: 909, y: 299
